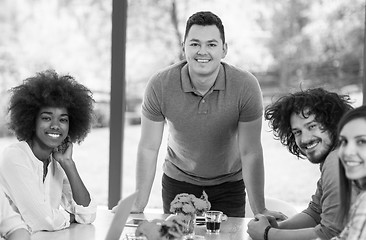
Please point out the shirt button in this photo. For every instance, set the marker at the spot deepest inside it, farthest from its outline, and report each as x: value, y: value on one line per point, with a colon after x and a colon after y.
x: 203, y: 101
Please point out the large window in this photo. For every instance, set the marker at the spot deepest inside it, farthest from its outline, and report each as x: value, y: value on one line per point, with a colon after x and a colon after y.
x: 288, y: 45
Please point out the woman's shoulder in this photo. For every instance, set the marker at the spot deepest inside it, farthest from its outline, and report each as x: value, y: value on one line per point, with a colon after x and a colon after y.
x: 18, y: 147
x: 359, y: 207
x: 15, y: 153
x: 362, y: 197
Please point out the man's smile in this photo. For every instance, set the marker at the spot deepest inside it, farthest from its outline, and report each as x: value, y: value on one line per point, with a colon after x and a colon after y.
x: 202, y: 60
x: 311, y: 145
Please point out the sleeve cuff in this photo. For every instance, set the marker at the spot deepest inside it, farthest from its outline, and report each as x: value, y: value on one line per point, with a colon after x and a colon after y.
x: 87, y: 214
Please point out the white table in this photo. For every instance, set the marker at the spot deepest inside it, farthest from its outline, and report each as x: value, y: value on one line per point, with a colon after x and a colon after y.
x: 232, y: 229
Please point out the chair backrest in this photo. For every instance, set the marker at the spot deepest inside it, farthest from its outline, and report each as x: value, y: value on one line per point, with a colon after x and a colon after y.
x: 120, y: 217
x: 273, y: 204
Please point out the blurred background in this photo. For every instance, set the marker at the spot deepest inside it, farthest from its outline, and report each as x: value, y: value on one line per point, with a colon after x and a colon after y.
x: 287, y: 45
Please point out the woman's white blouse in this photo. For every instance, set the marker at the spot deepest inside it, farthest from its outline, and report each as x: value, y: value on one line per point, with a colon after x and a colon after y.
x: 38, y: 202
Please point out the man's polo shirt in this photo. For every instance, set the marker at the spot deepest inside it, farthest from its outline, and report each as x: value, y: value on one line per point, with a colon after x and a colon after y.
x: 202, y: 142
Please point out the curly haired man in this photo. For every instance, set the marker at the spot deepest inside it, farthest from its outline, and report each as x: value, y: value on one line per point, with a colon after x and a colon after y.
x: 306, y: 123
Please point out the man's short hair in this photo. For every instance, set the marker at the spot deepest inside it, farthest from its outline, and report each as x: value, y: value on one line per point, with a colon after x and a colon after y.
x: 205, y: 18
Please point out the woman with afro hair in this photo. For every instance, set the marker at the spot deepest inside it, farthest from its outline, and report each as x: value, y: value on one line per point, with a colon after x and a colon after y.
x: 48, y: 113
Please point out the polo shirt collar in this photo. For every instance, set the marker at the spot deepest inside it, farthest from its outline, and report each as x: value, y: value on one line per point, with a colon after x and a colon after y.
x: 187, y: 84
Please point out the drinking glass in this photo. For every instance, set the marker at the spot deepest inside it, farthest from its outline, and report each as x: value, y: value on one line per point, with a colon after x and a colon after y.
x: 213, y: 221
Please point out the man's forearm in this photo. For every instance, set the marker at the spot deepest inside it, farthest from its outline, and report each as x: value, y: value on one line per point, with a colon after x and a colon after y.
x: 253, y: 175
x: 145, y: 174
x: 298, y: 234
x: 300, y: 220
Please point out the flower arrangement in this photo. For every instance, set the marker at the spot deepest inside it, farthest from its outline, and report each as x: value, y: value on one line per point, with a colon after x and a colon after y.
x: 161, y: 229
x: 188, y: 204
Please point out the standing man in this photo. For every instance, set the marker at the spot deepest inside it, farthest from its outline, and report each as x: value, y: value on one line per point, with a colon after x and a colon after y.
x: 306, y: 123
x: 214, y: 115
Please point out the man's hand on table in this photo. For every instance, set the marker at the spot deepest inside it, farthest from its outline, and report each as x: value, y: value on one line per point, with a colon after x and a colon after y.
x: 277, y: 215
x: 257, y: 225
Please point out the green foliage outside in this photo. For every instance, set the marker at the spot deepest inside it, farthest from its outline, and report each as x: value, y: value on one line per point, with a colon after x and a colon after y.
x: 286, y: 44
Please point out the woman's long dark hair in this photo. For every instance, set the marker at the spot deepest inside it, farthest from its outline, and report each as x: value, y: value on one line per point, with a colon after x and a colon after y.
x: 346, y: 184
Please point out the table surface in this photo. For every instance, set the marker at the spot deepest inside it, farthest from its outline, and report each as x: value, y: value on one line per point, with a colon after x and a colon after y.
x: 232, y: 229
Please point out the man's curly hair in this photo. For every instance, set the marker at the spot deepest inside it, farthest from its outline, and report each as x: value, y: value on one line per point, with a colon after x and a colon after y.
x: 48, y: 89
x: 328, y: 108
